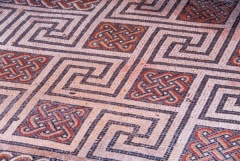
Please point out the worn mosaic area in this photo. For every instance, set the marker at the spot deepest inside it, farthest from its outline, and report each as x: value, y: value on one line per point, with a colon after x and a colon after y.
x: 130, y: 80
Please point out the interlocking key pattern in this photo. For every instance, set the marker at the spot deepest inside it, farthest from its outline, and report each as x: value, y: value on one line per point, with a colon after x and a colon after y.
x: 64, y: 4
x: 236, y: 58
x: 211, y: 144
x: 126, y: 80
x: 116, y: 37
x: 53, y: 121
x: 21, y: 68
x: 166, y: 88
x: 208, y: 11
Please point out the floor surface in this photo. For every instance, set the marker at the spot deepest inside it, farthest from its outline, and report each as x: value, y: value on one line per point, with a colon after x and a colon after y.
x: 130, y: 80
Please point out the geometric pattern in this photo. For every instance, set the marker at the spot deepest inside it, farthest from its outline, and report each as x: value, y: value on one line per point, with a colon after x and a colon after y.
x: 119, y: 80
x: 116, y: 37
x: 119, y: 132
x: 69, y: 4
x: 166, y: 88
x: 9, y: 102
x: 209, y: 143
x: 48, y: 28
x: 222, y: 105
x: 207, y: 11
x: 53, y: 121
x: 22, y: 68
x: 79, y: 76
x: 196, y: 47
x: 154, y: 10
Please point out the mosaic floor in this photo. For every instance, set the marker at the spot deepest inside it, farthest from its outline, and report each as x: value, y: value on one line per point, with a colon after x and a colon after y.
x: 130, y: 80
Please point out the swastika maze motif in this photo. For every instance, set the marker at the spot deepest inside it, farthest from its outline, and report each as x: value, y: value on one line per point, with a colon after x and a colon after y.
x: 53, y: 121
x: 165, y: 87
x: 116, y: 37
x: 120, y: 80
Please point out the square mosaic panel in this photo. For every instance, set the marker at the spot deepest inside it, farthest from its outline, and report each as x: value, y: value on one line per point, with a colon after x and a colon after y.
x: 161, y: 87
x: 53, y: 121
x: 207, y: 11
x: 116, y: 37
x: 21, y: 67
x: 210, y: 143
